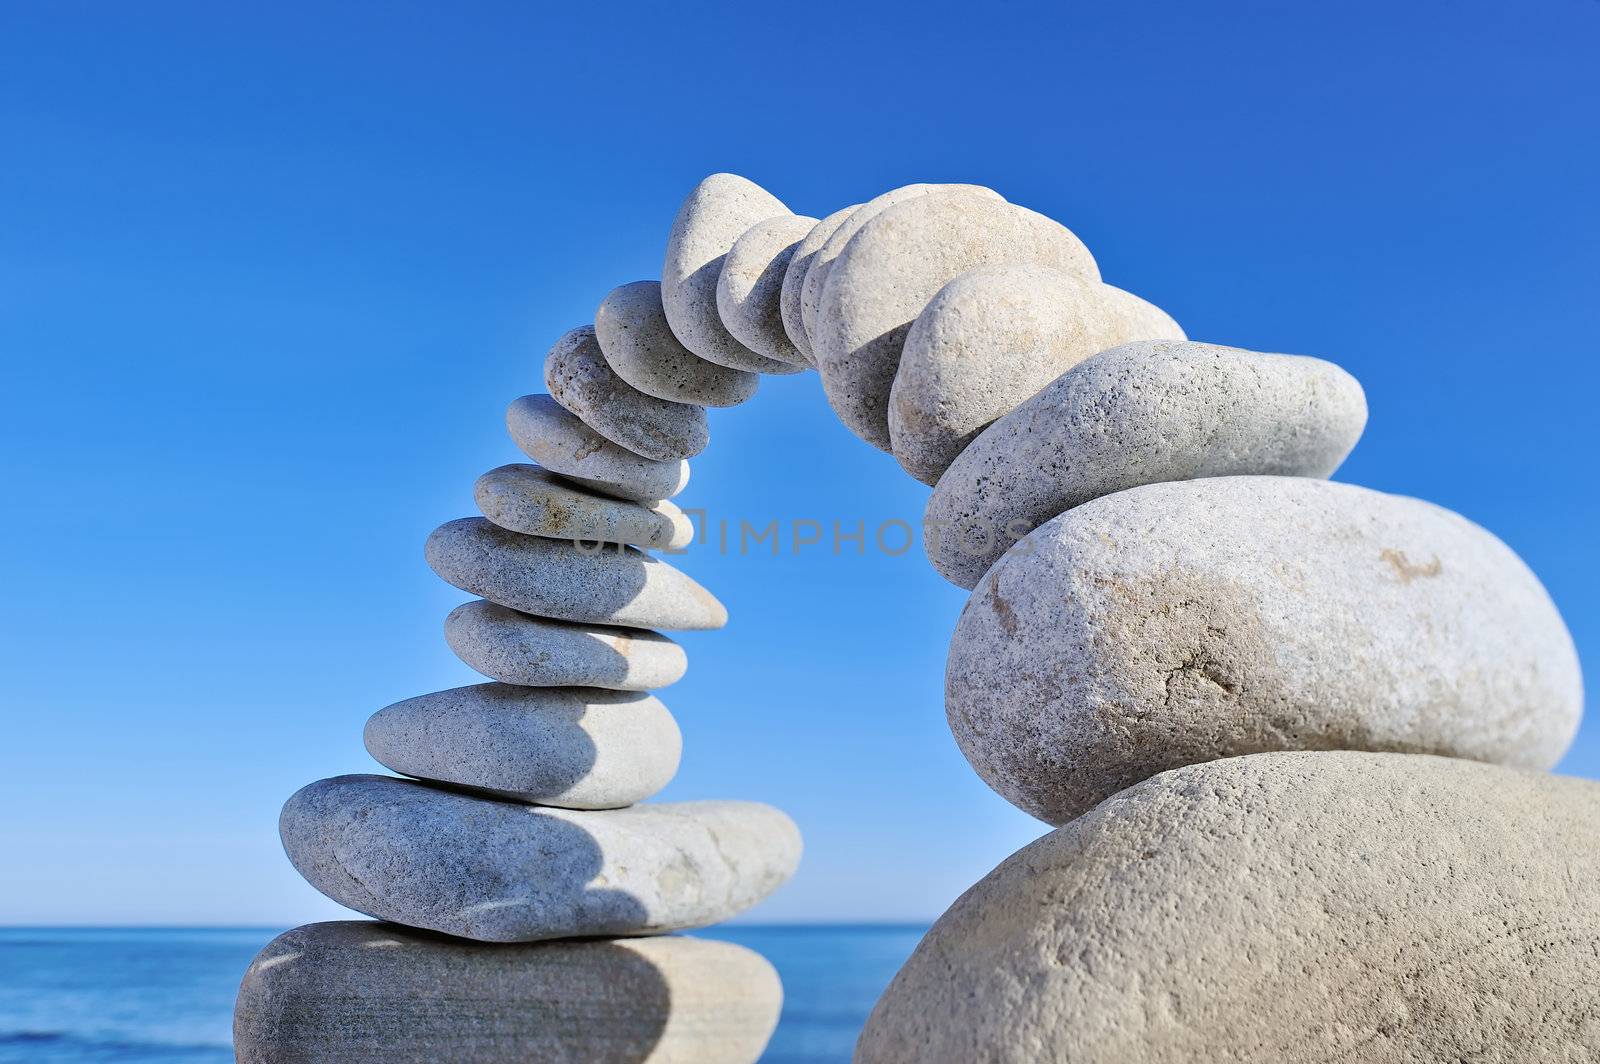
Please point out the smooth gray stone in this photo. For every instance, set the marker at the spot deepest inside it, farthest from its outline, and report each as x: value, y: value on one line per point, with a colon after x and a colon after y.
x: 794, y: 278
x: 573, y: 747
x: 639, y: 344
x: 533, y: 501
x: 1281, y: 908
x: 822, y: 261
x: 1176, y: 623
x: 750, y: 287
x: 1138, y: 414
x: 554, y: 578
x: 552, y: 436
x: 898, y: 262
x: 517, y: 648
x: 988, y: 341
x: 354, y: 992
x: 715, y: 214
x: 578, y: 377
x: 505, y: 872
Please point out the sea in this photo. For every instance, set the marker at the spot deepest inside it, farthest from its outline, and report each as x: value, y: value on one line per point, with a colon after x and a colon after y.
x: 165, y: 995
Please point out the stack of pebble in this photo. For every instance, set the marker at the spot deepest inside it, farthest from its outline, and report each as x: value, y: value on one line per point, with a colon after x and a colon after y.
x: 1295, y: 733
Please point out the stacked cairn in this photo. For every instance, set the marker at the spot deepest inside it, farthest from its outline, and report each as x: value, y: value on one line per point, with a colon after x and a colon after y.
x: 1294, y: 735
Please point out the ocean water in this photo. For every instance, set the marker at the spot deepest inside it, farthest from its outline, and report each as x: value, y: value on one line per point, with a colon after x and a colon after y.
x: 160, y: 996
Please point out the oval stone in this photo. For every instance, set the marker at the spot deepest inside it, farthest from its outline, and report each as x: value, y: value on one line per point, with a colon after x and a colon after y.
x: 578, y: 377
x: 577, y: 747
x: 897, y: 263
x: 632, y: 329
x: 517, y: 648
x: 794, y: 278
x: 1171, y: 624
x: 1138, y: 414
x: 821, y: 264
x: 750, y: 286
x: 554, y: 578
x: 551, y: 435
x: 1283, y: 908
x: 989, y: 340
x: 527, y: 499
x: 505, y: 872
x: 354, y: 991
x: 714, y: 215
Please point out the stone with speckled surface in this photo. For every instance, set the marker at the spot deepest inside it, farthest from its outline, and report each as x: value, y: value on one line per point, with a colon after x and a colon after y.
x: 551, y: 435
x: 750, y: 287
x: 579, y: 378
x: 527, y: 499
x: 521, y: 649
x: 500, y: 871
x: 794, y: 278
x: 1177, y: 623
x: 639, y: 344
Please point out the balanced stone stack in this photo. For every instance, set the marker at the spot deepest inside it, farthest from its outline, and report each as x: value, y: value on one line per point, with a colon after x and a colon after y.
x: 1294, y: 734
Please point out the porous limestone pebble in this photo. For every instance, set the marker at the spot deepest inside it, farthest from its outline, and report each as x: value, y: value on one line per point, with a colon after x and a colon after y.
x: 794, y: 278
x: 750, y: 286
x: 517, y: 648
x: 639, y: 344
x: 578, y: 377
x: 821, y: 264
x: 714, y: 215
x: 553, y: 578
x: 1176, y: 623
x: 1281, y: 908
x: 1141, y: 413
x: 352, y: 992
x: 527, y: 499
x: 551, y: 435
x: 504, y: 872
x: 574, y: 747
x: 990, y: 339
x: 889, y: 271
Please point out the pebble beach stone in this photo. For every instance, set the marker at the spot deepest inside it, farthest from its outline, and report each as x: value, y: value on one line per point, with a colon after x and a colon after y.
x: 1177, y: 623
x: 639, y: 344
x: 750, y: 287
x: 821, y: 264
x: 527, y: 499
x: 554, y: 578
x: 794, y: 278
x: 505, y: 872
x: 552, y: 436
x: 1138, y: 414
x: 574, y: 747
x: 990, y: 339
x: 889, y: 271
x: 353, y: 992
x: 517, y: 648
x: 578, y: 377
x: 1292, y: 908
x: 714, y: 215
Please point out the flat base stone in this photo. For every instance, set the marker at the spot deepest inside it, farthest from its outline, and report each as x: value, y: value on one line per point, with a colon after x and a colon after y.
x: 358, y: 991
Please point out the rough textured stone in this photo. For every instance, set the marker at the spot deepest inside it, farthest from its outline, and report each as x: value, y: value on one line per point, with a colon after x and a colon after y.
x: 554, y: 578
x: 549, y: 434
x: 578, y: 377
x: 715, y: 214
x: 794, y: 278
x: 990, y: 339
x: 1138, y: 414
x: 750, y: 287
x: 517, y: 648
x: 821, y: 265
x: 1176, y: 623
x: 1285, y: 908
x: 353, y: 992
x: 639, y: 344
x: 891, y: 269
x: 505, y: 872
x: 534, y: 501
x: 574, y: 747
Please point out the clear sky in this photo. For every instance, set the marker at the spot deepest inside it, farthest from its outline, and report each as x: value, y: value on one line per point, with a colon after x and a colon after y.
x: 268, y: 279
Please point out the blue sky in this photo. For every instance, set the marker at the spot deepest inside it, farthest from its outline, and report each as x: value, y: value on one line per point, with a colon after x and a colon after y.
x: 268, y: 279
